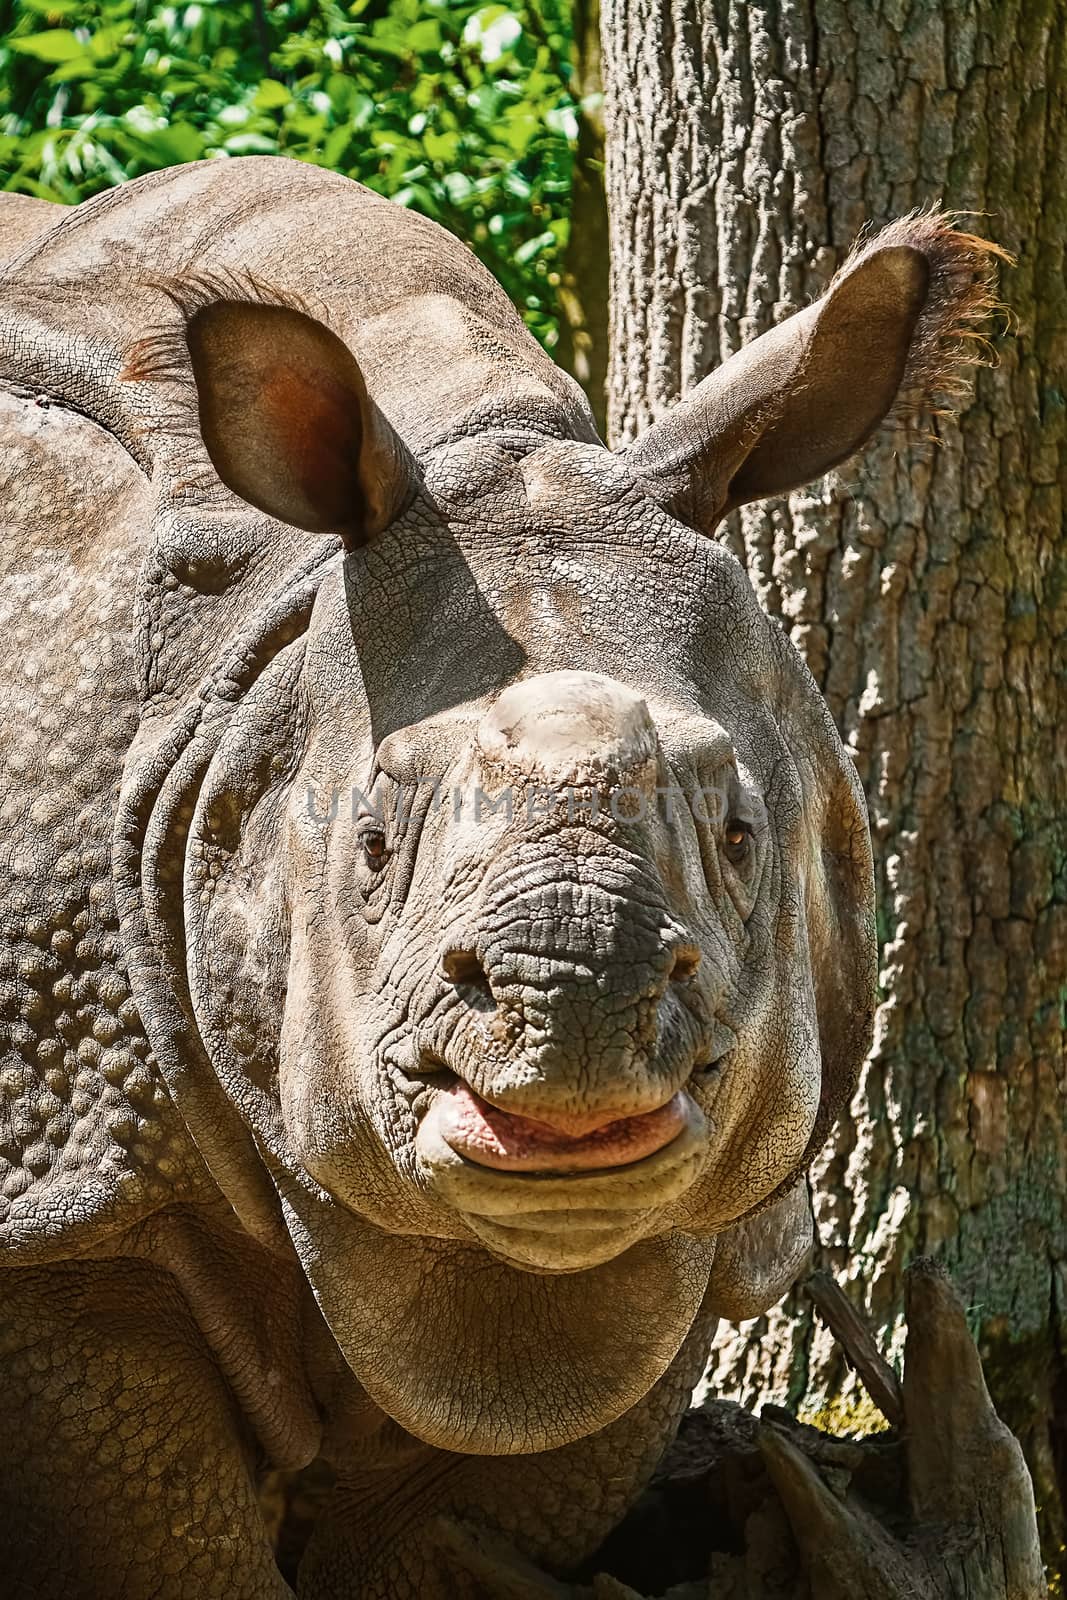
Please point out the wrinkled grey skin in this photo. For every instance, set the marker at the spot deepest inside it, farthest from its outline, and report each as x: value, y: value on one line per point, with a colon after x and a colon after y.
x: 237, y: 1234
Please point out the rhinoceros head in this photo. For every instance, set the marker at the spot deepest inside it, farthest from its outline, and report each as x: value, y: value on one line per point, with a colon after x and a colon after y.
x: 528, y: 893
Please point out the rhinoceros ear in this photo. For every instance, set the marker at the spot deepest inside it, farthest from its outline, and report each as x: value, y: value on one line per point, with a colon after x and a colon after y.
x: 288, y: 423
x: 891, y: 333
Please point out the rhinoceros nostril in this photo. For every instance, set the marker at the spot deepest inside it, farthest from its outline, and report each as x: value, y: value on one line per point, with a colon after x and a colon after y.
x: 686, y: 962
x: 464, y: 967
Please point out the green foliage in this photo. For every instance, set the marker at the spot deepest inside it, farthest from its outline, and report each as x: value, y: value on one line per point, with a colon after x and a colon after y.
x: 459, y: 109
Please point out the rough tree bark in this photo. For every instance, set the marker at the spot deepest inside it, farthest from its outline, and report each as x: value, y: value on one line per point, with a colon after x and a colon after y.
x: 583, y: 294
x: 747, y: 144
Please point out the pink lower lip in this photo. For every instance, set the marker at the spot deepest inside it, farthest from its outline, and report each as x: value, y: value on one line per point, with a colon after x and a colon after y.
x: 493, y: 1138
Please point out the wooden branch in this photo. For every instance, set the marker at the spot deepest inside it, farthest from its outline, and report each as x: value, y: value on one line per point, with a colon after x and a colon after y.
x: 850, y: 1330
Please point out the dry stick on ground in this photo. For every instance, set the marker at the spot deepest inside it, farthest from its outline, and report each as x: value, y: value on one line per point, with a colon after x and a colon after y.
x: 968, y: 1529
x: 858, y: 1342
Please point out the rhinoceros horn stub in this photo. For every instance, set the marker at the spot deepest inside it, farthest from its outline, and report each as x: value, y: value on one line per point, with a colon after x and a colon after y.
x: 893, y: 333
x: 571, y: 727
x: 284, y: 410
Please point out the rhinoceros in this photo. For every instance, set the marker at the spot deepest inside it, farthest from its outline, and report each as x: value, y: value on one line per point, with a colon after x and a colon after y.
x: 437, y: 904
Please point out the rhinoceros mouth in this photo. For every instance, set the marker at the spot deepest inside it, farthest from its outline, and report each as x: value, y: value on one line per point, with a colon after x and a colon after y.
x: 504, y: 1141
x: 569, y: 1209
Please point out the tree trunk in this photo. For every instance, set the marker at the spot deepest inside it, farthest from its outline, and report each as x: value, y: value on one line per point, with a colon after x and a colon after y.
x: 747, y: 145
x: 583, y: 294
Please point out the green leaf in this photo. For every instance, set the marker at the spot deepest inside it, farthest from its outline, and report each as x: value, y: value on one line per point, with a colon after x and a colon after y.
x: 423, y: 37
x: 390, y: 48
x: 458, y: 187
x: 52, y: 8
x: 335, y: 147
x: 250, y: 144
x: 441, y: 146
x: 21, y: 184
x: 270, y: 95
x: 105, y: 41
x: 362, y: 111
x: 171, y: 146
x: 562, y: 119
x: 58, y: 44
x: 83, y: 67
x: 533, y: 247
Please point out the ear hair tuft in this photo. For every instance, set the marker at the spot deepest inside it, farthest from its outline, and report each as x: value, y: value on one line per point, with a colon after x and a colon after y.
x: 162, y: 356
x: 955, y: 326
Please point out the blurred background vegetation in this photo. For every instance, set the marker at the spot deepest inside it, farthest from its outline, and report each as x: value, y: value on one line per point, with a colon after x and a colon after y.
x: 466, y: 112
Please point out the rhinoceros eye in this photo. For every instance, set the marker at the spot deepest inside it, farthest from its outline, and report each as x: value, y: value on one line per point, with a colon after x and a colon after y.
x: 375, y: 848
x: 738, y: 839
